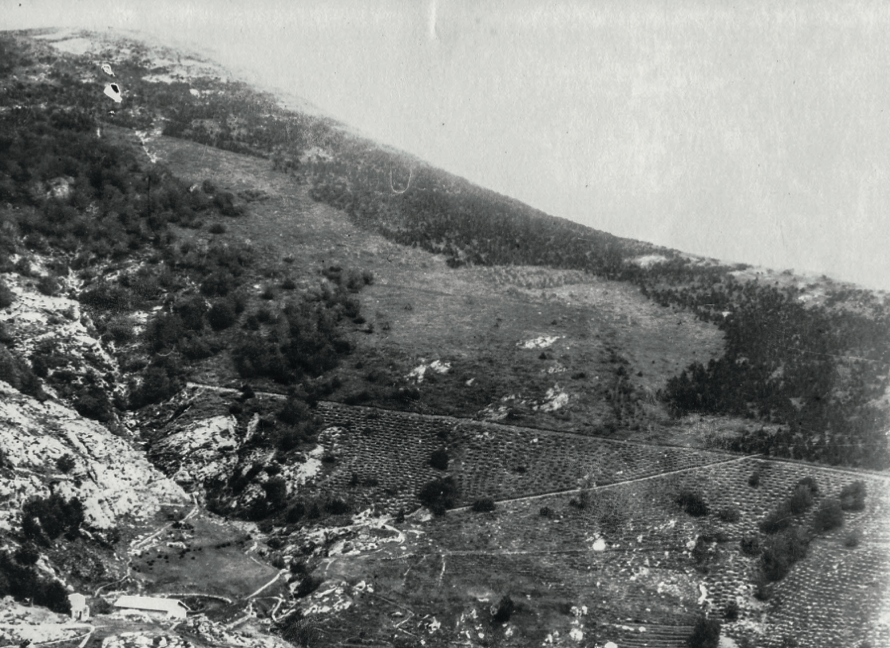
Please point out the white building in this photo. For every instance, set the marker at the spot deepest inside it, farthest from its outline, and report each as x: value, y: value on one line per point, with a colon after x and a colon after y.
x: 153, y: 606
x: 80, y: 611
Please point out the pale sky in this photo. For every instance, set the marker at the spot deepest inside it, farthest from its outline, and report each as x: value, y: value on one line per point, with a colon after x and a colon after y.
x: 753, y: 133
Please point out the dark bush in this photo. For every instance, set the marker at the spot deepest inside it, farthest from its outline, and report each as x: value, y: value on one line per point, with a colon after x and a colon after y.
x: 705, y: 634
x: 27, y: 554
x: 222, y: 314
x: 439, y: 494
x: 731, y: 611
x: 504, y: 610
x: 810, y: 484
x: 828, y: 516
x: 754, y: 479
x: 692, y: 502
x: 853, y: 496
x: 853, y: 538
x: 776, y: 521
x: 276, y: 492
x: 545, y: 512
x: 65, y: 463
x: 800, y: 501
x: 337, y: 506
x: 750, y: 545
x: 729, y: 514
x: 6, y: 295
x: 308, y: 584
x: 158, y: 384
x: 439, y: 459
x: 483, y: 505
x: 218, y: 284
x: 48, y: 285
x: 217, y: 228
x: 55, y: 515
x: 782, y: 551
x: 107, y: 296
x: 18, y: 374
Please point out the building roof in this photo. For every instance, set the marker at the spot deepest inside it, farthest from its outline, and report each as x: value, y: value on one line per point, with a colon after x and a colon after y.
x: 150, y: 603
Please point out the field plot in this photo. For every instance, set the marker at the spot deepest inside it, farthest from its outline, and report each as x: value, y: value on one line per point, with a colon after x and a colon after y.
x: 487, y: 460
x: 201, y: 556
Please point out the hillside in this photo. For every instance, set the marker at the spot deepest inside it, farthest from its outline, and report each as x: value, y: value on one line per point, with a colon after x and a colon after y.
x: 246, y: 337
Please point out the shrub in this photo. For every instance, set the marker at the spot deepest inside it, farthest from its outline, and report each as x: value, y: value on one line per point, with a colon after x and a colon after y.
x: 222, y: 314
x: 55, y: 515
x: 754, y: 479
x: 65, y: 463
x: 800, y: 501
x: 48, y: 285
x: 731, y: 611
x: 308, y: 584
x: 502, y: 612
x: 705, y: 634
x: 810, y: 484
x: 829, y: 515
x: 439, y: 459
x: 750, y: 545
x: 157, y: 385
x: 6, y: 295
x: 776, y: 521
x: 853, y: 538
x: 217, y: 228
x: 545, y: 512
x: 276, y: 491
x: 692, y: 502
x: 729, y: 514
x: 853, y: 496
x: 483, y: 505
x: 782, y: 551
x: 439, y: 494
x: 27, y: 554
x: 218, y: 284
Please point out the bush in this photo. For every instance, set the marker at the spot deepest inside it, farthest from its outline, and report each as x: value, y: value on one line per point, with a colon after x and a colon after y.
x: 853, y: 538
x: 692, y: 502
x: 222, y: 314
x: 6, y: 295
x: 705, y: 634
x: 729, y: 514
x: 55, y: 515
x: 483, y: 505
x: 65, y: 463
x: 308, y: 584
x: 829, y: 515
x: 810, y: 484
x: 750, y: 545
x: 439, y: 459
x: 502, y: 612
x: 217, y: 228
x: 276, y: 492
x: 782, y: 551
x: 439, y: 494
x: 754, y: 479
x: 48, y: 285
x: 853, y: 496
x: 545, y: 512
x: 731, y: 611
x: 800, y: 501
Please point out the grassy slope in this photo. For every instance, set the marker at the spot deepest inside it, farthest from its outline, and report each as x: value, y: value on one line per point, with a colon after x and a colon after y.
x: 473, y: 318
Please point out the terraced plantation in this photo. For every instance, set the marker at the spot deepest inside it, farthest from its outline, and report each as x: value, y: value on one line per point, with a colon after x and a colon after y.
x: 615, y: 541
x: 486, y: 459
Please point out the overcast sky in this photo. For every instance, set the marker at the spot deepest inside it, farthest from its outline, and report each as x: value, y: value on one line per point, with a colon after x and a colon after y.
x: 753, y: 133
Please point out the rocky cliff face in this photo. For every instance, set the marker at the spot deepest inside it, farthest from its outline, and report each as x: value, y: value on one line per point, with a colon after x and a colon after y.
x: 111, y: 479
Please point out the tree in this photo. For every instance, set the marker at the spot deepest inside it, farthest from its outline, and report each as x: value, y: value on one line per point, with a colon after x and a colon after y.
x: 829, y: 515
x: 705, y: 634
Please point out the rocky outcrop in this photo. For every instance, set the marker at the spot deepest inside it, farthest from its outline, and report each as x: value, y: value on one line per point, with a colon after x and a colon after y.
x: 110, y: 478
